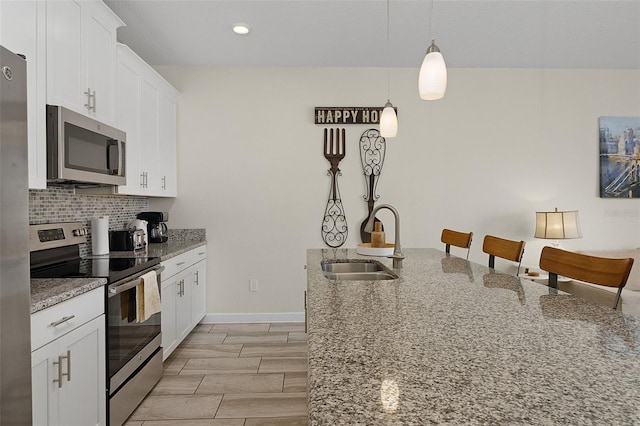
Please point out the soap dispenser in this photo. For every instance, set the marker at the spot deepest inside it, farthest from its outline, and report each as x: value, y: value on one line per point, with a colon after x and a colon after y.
x: 377, y: 236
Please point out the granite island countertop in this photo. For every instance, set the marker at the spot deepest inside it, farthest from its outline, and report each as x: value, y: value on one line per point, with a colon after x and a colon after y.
x: 46, y: 292
x: 453, y: 342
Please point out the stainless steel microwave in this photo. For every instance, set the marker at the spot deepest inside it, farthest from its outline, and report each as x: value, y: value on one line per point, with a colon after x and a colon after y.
x: 81, y: 150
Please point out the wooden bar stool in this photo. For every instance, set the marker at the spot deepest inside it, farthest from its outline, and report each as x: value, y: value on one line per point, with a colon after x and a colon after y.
x: 458, y: 239
x: 505, y: 249
x: 592, y: 269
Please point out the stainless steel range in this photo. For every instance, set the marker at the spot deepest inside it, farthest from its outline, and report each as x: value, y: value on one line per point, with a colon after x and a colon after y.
x: 134, y: 355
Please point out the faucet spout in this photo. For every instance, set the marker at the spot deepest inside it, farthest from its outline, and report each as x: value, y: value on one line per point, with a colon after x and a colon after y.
x: 397, y: 255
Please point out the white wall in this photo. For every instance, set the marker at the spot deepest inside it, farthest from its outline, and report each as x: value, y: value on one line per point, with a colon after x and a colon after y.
x: 501, y: 144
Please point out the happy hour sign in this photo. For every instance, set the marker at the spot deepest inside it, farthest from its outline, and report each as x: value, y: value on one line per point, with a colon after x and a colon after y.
x: 348, y: 115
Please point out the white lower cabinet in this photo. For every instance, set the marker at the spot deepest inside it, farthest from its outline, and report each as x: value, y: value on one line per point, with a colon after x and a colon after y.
x: 184, y: 289
x: 69, y: 372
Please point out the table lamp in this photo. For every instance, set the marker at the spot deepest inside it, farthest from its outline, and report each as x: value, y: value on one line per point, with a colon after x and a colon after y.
x: 557, y: 226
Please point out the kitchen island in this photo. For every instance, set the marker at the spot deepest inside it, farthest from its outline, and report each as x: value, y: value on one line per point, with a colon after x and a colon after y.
x: 451, y: 341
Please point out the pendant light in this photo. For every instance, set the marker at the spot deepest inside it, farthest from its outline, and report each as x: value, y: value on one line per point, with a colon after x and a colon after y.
x: 388, y: 119
x: 432, y: 80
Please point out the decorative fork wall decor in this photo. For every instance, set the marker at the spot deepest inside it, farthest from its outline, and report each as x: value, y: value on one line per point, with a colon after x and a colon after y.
x: 334, y: 223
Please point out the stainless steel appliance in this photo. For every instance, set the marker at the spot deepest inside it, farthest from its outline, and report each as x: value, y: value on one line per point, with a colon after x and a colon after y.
x: 134, y: 355
x: 127, y: 240
x: 83, y: 150
x: 157, y: 231
x: 15, y: 330
x: 140, y: 225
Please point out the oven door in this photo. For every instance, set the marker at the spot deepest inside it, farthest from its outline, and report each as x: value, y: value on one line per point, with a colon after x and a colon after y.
x: 129, y: 341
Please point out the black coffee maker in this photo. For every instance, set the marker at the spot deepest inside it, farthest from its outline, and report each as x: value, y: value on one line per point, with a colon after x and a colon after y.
x: 157, y: 231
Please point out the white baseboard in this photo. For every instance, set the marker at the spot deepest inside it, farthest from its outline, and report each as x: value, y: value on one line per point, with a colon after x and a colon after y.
x: 262, y: 317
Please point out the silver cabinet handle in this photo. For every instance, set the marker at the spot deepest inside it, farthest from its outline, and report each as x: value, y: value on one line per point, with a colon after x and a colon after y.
x: 164, y: 182
x: 62, y: 320
x: 143, y: 180
x: 68, y: 373
x: 180, y: 263
x: 60, y: 373
x: 202, y: 253
x: 197, y: 278
x: 59, y: 364
x: 89, y: 105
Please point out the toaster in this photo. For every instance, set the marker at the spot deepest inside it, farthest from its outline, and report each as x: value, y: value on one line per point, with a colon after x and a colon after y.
x: 127, y: 240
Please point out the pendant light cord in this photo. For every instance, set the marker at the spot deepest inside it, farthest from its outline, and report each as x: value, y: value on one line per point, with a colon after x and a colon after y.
x: 431, y: 21
x: 388, y: 57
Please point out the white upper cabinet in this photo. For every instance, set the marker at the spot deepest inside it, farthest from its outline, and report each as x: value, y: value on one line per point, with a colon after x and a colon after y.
x: 23, y: 31
x: 81, y: 57
x: 146, y: 106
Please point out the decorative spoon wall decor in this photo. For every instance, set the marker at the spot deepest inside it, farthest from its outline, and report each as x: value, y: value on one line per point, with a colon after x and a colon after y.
x: 372, y: 151
x: 334, y: 224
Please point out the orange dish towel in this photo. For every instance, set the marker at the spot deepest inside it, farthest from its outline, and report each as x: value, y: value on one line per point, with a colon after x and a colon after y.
x: 147, y: 296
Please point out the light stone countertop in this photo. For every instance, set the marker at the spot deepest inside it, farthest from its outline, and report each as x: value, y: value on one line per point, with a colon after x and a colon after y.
x: 452, y: 342
x: 48, y: 292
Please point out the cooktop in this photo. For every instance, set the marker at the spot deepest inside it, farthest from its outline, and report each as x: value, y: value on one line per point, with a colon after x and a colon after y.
x: 113, y: 269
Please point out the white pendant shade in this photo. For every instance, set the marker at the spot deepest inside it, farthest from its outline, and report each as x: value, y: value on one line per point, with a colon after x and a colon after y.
x: 432, y: 80
x: 388, y: 121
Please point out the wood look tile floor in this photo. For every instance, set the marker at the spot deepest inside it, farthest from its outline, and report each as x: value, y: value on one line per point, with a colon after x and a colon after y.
x: 232, y: 375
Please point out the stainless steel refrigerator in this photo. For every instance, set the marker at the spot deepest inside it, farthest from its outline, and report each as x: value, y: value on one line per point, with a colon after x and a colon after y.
x: 15, y: 321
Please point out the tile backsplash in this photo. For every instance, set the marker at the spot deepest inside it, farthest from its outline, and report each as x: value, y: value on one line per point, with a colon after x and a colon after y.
x: 62, y: 204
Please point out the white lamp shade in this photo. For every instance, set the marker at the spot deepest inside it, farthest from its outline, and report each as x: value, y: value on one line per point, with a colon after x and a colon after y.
x: 388, y: 122
x: 432, y: 80
x: 557, y: 225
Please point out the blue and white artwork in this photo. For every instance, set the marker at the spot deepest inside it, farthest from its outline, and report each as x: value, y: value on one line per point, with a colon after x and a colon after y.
x: 619, y: 157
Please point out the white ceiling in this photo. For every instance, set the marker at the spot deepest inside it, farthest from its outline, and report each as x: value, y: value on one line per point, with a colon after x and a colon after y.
x: 352, y: 33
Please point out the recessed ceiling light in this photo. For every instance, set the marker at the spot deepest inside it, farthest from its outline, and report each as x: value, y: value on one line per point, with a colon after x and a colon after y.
x: 241, y: 29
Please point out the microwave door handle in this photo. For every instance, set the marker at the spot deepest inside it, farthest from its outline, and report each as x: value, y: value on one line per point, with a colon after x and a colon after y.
x: 112, y: 154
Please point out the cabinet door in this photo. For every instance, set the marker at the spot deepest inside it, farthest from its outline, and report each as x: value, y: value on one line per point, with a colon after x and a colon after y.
x: 69, y: 378
x: 83, y: 392
x: 183, y: 304
x: 100, y: 59
x: 167, y: 145
x: 168, y: 296
x: 44, y: 391
x: 149, y: 138
x: 128, y: 100
x: 23, y: 30
x: 64, y: 55
x: 199, y: 292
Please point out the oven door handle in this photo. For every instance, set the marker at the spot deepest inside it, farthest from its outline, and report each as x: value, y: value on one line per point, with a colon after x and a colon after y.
x: 113, y: 291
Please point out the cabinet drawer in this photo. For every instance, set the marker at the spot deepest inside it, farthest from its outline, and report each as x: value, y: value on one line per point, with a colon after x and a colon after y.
x: 199, y: 253
x: 53, y: 322
x: 177, y: 264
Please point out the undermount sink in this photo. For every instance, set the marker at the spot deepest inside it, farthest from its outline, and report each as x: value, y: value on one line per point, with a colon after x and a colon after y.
x: 356, y: 271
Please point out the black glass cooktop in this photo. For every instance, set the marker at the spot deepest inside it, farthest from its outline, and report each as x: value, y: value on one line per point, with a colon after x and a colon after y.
x: 114, y: 269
